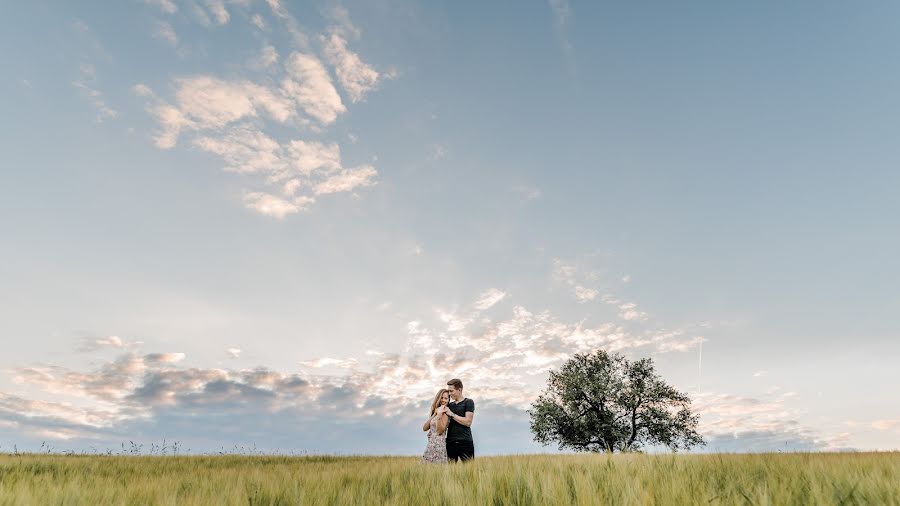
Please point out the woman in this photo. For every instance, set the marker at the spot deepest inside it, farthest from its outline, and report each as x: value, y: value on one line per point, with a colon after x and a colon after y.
x: 436, y: 425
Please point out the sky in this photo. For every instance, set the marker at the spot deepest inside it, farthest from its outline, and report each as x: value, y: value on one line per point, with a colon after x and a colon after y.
x: 285, y: 225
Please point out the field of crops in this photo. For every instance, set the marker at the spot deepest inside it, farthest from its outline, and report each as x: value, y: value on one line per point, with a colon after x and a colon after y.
x: 815, y: 478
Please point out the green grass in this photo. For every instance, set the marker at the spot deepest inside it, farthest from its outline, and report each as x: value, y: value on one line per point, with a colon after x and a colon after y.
x: 812, y: 478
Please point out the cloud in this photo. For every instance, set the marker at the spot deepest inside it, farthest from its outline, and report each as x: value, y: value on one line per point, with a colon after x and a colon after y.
x: 489, y: 298
x: 301, y: 169
x: 356, y: 77
x: 214, y: 103
x: 562, y: 13
x: 269, y: 56
x: 88, y: 75
x: 163, y: 358
x: 300, y: 40
x: 892, y: 424
x: 583, y: 294
x: 90, y: 344
x: 768, y: 423
x: 310, y: 86
x: 167, y: 6
x: 270, y: 205
x: 232, y: 118
x: 529, y: 192
x: 572, y: 275
x: 142, y: 90
x: 628, y: 311
x: 245, y: 150
x: 503, y: 357
x: 437, y: 152
x: 347, y: 180
x: 218, y: 10
x: 759, y: 374
x: 165, y: 32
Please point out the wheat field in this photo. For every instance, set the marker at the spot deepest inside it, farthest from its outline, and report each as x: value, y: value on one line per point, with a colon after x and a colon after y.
x: 798, y: 478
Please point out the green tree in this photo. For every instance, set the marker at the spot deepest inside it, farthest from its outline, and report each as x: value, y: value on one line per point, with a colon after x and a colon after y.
x: 602, y: 402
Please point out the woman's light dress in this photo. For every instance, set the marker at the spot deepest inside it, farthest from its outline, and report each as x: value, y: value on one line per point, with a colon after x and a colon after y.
x: 436, y: 451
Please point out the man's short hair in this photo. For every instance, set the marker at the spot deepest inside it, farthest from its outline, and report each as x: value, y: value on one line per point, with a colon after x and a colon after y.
x: 457, y: 384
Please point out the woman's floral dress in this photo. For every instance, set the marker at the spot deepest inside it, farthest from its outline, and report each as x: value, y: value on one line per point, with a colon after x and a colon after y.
x: 436, y: 451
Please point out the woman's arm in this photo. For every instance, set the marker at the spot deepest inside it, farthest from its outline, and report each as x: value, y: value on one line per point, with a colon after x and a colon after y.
x: 426, y: 425
x: 442, y: 423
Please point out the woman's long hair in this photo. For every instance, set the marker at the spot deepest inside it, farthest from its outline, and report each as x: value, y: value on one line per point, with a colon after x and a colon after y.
x: 437, y: 400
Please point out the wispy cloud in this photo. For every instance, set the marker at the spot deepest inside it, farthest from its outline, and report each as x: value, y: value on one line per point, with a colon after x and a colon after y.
x: 167, y: 6
x: 562, y: 14
x: 233, y: 118
x: 165, y: 32
x: 489, y: 298
x: 218, y: 10
x: 504, y: 359
x: 88, y: 75
x: 766, y: 423
x: 529, y: 192
x: 356, y: 77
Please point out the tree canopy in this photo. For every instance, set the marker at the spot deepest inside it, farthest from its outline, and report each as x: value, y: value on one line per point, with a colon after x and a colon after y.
x: 603, y: 402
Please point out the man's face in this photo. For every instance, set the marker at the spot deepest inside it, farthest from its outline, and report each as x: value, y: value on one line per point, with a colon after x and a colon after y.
x: 454, y: 393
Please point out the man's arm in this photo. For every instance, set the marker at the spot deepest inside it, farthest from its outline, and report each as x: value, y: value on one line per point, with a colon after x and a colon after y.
x: 463, y: 420
x: 470, y: 414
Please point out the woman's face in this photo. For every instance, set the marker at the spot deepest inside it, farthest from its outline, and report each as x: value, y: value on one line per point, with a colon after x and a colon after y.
x: 445, y: 398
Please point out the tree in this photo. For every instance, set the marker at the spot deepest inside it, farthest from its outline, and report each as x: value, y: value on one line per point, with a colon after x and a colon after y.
x: 601, y: 402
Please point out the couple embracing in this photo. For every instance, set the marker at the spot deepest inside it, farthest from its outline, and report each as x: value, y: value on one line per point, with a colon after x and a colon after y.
x: 449, y: 426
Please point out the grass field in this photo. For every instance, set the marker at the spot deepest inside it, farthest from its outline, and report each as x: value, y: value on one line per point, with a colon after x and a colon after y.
x: 816, y: 478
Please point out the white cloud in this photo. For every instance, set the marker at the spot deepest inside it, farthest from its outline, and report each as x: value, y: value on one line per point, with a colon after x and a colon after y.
x: 217, y: 8
x: 165, y: 32
x: 530, y: 193
x: 257, y: 20
x: 583, y: 294
x: 214, y: 103
x: 269, y: 56
x: 489, y: 298
x: 172, y: 121
x: 628, y: 311
x: 167, y: 6
x: 503, y: 359
x: 343, y: 25
x: 765, y: 423
x: 142, y: 90
x: 347, y: 180
x: 270, y: 205
x: 437, y: 152
x: 759, y: 374
x: 298, y: 37
x: 356, y: 77
x: 893, y: 424
x: 309, y: 156
x: 245, y: 150
x: 89, y: 74
x: 90, y: 344
x: 311, y: 87
x: 228, y: 117
x: 330, y: 362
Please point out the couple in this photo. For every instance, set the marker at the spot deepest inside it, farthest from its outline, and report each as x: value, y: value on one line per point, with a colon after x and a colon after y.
x: 449, y: 426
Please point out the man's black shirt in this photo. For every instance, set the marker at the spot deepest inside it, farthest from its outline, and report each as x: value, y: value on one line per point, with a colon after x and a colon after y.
x: 455, y: 430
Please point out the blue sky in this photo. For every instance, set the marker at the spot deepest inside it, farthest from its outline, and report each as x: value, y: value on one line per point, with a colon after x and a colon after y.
x: 237, y: 222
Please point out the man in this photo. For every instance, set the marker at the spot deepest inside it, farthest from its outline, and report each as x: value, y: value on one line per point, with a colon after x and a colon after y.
x: 460, y: 446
